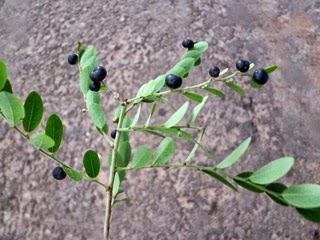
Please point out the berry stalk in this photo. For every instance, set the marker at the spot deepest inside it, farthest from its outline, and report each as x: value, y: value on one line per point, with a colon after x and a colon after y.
x: 112, y: 172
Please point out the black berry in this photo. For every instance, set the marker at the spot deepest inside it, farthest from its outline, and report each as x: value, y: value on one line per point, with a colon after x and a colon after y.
x: 72, y: 59
x: 260, y: 76
x: 113, y: 134
x: 243, y: 65
x: 214, y: 72
x: 173, y: 81
x: 94, y: 86
x: 58, y: 173
x: 187, y: 43
x: 98, y: 74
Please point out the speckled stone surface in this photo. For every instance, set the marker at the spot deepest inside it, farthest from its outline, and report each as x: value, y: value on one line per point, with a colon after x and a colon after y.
x: 136, y: 41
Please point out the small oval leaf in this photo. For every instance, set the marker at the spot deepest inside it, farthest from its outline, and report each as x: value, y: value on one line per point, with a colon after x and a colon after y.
x: 236, y: 88
x: 73, y: 174
x: 42, y: 141
x: 142, y: 157
x: 245, y: 182
x: 91, y: 163
x: 214, y: 91
x: 186, y: 64
x: 271, y: 69
x: 272, y: 171
x: 54, y: 129
x: 97, y: 115
x: 303, y: 196
x: 312, y: 215
x: 3, y: 74
x: 12, y: 108
x: 165, y: 151
x: 177, y: 116
x: 33, y: 108
x: 220, y: 178
x: 235, y: 155
x: 200, y: 46
x: 195, y: 112
x: 193, y: 96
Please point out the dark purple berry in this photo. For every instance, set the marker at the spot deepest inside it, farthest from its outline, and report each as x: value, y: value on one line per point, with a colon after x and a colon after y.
x: 173, y: 81
x: 243, y: 65
x: 94, y: 86
x: 72, y: 59
x: 58, y: 173
x: 260, y: 76
x: 214, y: 72
x: 98, y: 74
x: 113, y: 134
x: 187, y: 43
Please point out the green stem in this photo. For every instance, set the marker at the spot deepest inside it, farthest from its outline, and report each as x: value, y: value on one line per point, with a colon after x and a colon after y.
x: 220, y: 172
x: 58, y: 161
x: 112, y: 173
x: 200, y: 85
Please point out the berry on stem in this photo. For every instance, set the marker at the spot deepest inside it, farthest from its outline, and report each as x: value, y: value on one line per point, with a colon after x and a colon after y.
x: 173, y: 81
x: 243, y: 65
x: 113, y: 134
x: 94, y: 86
x: 214, y: 72
x: 98, y: 74
x: 58, y: 173
x: 260, y: 76
x: 187, y: 43
x: 72, y: 59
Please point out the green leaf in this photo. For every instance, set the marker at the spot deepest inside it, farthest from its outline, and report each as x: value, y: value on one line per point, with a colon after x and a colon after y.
x: 272, y: 171
x: 193, y: 96
x: 197, y: 62
x: 116, y: 115
x: 124, y: 136
x: 91, y: 163
x: 73, y: 174
x: 80, y: 50
x: 195, y: 147
x: 89, y: 52
x: 12, y: 108
x: 149, y: 88
x: 151, y: 133
x: 136, y: 117
x: 33, y: 108
x: 42, y: 141
x: 142, y: 157
x: 195, y: 112
x: 116, y: 184
x: 271, y: 69
x: 214, y: 91
x: 235, y: 155
x: 195, y: 54
x: 224, y: 71
x: 90, y: 62
x: 92, y: 97
x: 177, y: 116
x: 3, y: 74
x: 179, y: 71
x: 244, y: 181
x: 153, y: 108
x: 253, y: 84
x: 200, y: 46
x: 97, y: 115
x: 220, y: 178
x: 7, y: 87
x: 159, y: 83
x: 124, y: 152
x: 186, y: 64
x: 164, y: 151
x: 312, y: 215
x: 277, y: 188
x: 303, y: 195
x: 54, y: 129
x: 236, y: 88
x: 85, y: 80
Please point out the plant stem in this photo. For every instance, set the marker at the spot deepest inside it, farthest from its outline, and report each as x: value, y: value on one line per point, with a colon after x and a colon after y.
x: 107, y: 220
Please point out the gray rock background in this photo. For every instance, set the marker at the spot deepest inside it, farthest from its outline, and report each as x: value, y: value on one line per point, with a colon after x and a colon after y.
x: 137, y: 40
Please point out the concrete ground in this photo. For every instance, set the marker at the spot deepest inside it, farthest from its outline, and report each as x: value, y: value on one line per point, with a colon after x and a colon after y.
x: 136, y: 41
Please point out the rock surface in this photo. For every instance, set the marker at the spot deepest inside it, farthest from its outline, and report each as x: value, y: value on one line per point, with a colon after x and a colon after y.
x: 136, y: 41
